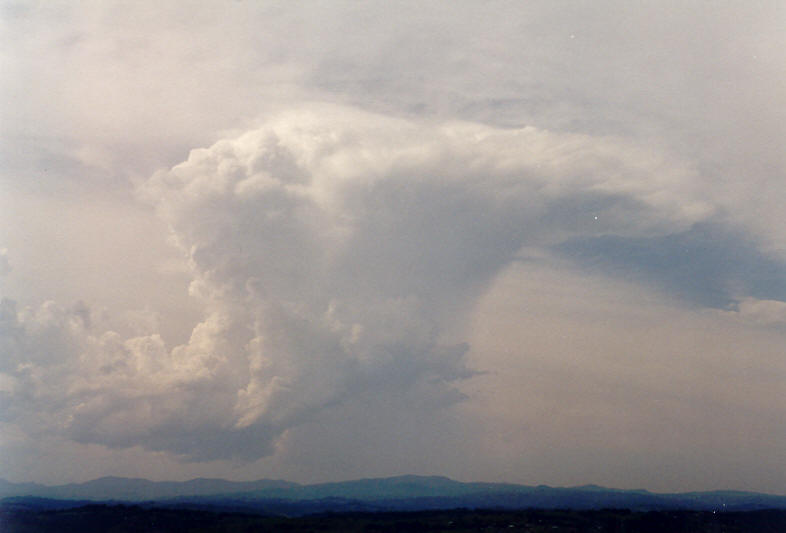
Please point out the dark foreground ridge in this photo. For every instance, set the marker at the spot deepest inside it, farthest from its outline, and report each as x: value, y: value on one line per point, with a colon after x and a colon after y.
x: 137, y: 519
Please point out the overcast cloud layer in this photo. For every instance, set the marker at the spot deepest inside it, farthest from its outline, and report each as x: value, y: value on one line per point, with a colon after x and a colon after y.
x: 537, y: 242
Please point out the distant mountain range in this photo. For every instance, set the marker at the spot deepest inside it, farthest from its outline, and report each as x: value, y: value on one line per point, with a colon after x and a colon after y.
x: 136, y: 489
x: 402, y: 493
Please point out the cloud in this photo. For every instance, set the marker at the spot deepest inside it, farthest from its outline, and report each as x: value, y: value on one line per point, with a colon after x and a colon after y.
x: 761, y: 312
x: 141, y: 84
x: 5, y: 264
x: 332, y: 250
x: 710, y: 264
x: 336, y: 255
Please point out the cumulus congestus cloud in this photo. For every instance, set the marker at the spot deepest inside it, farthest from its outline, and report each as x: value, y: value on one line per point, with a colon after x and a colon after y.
x: 331, y: 251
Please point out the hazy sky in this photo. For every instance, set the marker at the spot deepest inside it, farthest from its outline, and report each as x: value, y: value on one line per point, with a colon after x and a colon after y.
x: 538, y: 242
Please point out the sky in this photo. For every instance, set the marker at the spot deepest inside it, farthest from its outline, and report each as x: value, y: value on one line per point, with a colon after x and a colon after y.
x: 537, y: 242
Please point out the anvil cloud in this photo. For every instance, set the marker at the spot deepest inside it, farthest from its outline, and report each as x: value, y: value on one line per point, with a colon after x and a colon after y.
x: 539, y: 242
x: 329, y: 248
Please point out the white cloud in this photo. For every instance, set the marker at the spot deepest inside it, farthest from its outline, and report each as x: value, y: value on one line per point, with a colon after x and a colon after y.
x: 367, y: 236
x: 331, y: 249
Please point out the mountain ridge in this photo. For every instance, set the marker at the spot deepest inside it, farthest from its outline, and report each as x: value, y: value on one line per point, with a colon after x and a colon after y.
x: 406, y: 492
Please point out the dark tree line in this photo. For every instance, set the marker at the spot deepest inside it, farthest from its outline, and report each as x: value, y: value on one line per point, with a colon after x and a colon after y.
x: 136, y: 519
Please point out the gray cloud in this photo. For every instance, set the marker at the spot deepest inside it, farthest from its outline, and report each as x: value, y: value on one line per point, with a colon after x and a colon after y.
x: 709, y: 264
x: 5, y: 263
